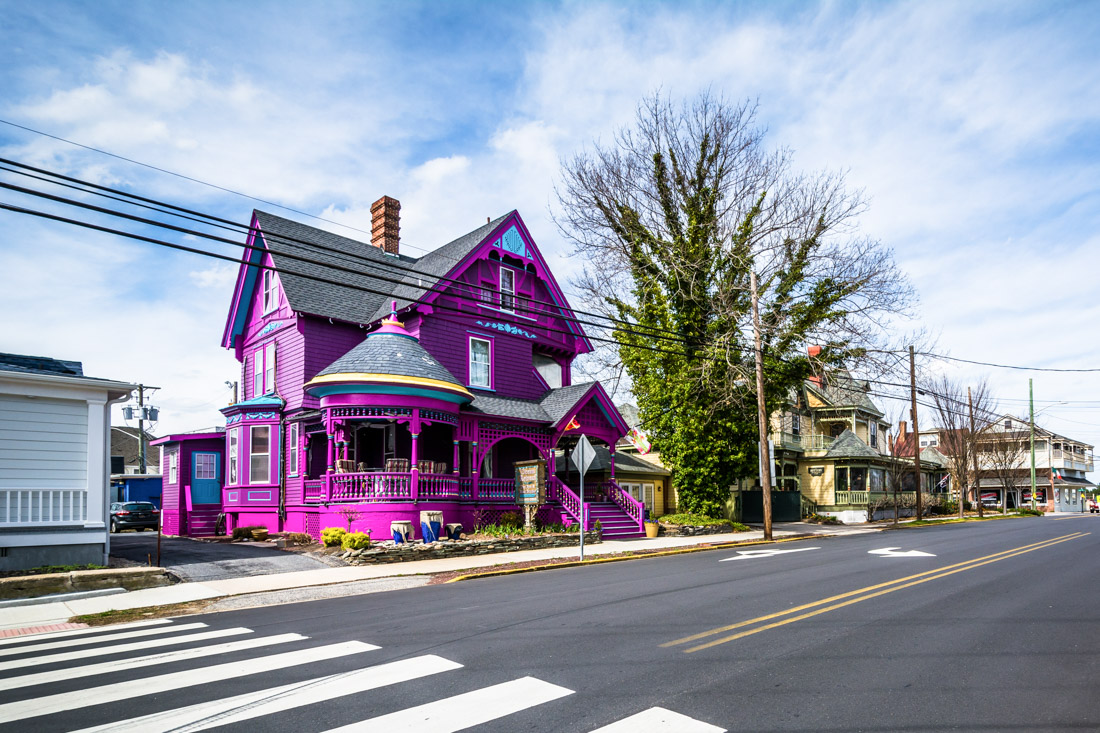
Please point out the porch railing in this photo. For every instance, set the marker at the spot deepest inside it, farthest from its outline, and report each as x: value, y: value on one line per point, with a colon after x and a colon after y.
x: 313, y: 490
x: 569, y: 501
x: 863, y: 498
x: 633, y: 508
x: 465, y: 487
x: 438, y: 486
x: 379, y: 486
x: 496, y: 488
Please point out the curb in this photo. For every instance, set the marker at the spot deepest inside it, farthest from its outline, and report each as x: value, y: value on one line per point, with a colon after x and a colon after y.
x: 623, y: 558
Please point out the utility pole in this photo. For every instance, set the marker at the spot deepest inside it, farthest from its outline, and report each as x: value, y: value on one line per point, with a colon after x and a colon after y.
x: 916, y: 430
x: 1031, y: 409
x: 974, y: 451
x: 141, y: 428
x: 762, y: 413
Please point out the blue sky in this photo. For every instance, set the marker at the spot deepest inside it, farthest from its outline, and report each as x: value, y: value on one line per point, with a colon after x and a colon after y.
x: 974, y: 129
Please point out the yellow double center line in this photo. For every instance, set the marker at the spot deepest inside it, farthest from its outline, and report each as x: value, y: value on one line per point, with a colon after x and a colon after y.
x: 856, y: 596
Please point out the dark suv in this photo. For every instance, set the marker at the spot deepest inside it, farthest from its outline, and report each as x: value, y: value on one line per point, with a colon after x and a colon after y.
x: 139, y: 515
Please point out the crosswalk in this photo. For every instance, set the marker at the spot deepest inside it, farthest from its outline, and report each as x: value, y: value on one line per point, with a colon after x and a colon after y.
x: 70, y: 674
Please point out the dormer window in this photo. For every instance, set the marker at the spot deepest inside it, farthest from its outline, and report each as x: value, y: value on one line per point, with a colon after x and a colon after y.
x: 874, y: 434
x: 507, y: 289
x: 271, y: 291
x: 1008, y: 425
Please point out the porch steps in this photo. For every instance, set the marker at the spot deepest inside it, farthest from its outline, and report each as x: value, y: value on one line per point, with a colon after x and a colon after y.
x: 617, y: 525
x: 202, y: 519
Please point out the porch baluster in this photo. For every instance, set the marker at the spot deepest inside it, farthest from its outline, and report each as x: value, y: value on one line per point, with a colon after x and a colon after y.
x: 414, y: 471
x: 475, y: 472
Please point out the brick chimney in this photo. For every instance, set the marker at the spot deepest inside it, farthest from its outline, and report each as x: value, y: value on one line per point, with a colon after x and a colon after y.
x: 903, y: 433
x: 813, y: 352
x: 385, y: 226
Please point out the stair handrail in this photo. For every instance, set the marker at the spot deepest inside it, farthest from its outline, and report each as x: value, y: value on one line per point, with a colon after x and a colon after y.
x: 569, y: 501
x: 633, y: 508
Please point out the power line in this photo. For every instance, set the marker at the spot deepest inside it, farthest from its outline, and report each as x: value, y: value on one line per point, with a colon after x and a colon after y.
x: 186, y: 178
x: 1005, y: 366
x: 226, y: 224
x: 227, y: 258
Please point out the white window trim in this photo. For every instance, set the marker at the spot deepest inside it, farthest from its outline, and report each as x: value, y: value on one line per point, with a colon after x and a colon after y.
x: 470, y: 366
x: 252, y: 429
x: 233, y: 465
x: 173, y: 467
x: 257, y: 372
x: 269, y: 367
x: 270, y: 291
x: 510, y: 293
x: 292, y: 454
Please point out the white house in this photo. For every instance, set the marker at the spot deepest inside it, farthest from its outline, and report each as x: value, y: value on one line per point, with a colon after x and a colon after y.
x: 54, y: 462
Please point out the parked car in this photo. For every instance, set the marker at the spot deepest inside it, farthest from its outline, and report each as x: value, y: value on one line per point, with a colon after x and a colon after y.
x: 1094, y: 507
x: 139, y: 515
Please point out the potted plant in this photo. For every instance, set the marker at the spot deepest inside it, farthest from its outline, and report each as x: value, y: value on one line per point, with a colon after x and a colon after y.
x: 259, y: 535
x: 651, y: 527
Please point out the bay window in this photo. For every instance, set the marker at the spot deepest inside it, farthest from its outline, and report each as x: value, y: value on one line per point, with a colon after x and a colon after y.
x: 259, y: 450
x: 234, y: 457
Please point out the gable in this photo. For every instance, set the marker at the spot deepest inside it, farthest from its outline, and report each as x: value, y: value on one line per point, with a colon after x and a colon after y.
x: 474, y: 279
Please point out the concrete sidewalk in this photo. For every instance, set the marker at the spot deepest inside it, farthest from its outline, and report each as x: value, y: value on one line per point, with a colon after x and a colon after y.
x: 60, y: 611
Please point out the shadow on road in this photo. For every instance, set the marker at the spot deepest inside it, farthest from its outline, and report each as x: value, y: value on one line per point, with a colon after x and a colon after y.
x: 193, y: 560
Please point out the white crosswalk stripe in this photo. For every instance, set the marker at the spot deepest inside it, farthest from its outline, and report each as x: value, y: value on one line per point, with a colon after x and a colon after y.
x: 443, y: 715
x: 89, y: 670
x: 68, y: 633
x: 465, y: 710
x: 659, y: 720
x: 120, y: 648
x: 50, y: 643
x: 75, y: 700
x: 277, y: 699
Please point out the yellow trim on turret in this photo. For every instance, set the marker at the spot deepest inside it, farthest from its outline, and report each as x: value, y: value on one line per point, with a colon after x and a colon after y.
x: 389, y: 379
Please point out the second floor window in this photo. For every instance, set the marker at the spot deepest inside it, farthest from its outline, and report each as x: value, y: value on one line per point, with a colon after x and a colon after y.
x: 507, y: 289
x: 263, y: 370
x: 269, y: 368
x: 480, y: 363
x: 796, y: 424
x: 271, y: 291
x: 874, y: 434
x: 234, y: 455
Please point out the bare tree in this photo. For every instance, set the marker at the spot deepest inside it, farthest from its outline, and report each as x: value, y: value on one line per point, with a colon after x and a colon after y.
x: 961, y: 436
x: 1004, y: 453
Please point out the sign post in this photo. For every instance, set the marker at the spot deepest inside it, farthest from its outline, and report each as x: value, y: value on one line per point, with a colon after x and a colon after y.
x: 583, y: 455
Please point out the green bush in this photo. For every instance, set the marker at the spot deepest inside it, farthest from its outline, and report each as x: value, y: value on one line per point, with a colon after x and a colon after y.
x: 245, y: 533
x: 822, y: 519
x: 333, y: 536
x: 695, y: 520
x: 511, y: 519
x: 355, y: 540
x: 1029, y: 512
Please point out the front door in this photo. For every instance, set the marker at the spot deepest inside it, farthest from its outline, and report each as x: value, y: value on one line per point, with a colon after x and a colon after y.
x: 206, y: 486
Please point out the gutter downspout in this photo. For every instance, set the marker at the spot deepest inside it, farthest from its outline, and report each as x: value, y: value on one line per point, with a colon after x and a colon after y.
x: 282, y: 471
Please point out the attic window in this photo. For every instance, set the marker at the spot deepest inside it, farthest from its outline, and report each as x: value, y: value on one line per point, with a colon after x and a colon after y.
x: 1008, y: 425
x: 271, y: 291
x: 507, y: 289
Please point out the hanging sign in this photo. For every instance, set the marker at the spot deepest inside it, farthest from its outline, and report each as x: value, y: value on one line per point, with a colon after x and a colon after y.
x: 531, y: 482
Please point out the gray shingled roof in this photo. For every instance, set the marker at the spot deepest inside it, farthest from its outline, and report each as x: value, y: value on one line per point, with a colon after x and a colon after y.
x: 849, y: 445
x: 437, y: 263
x: 384, y: 353
x: 354, y: 304
x: 40, y: 365
x: 507, y: 407
x: 559, y: 402
x: 841, y: 390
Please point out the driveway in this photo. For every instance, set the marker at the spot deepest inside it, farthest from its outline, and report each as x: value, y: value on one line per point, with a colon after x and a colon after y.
x: 192, y: 560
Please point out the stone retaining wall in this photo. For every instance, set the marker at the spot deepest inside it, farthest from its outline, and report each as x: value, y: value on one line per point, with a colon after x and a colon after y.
x: 389, y: 553
x: 687, y: 530
x: 32, y: 586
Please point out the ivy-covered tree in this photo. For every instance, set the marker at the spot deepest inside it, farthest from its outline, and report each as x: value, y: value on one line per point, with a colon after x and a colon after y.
x: 672, y: 218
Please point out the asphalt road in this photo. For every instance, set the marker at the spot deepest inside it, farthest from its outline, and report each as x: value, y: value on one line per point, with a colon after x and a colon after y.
x: 193, y: 560
x: 996, y: 628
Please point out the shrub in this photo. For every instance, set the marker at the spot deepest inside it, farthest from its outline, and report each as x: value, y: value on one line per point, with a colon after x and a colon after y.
x: 511, y: 519
x: 355, y: 540
x: 695, y: 520
x: 822, y: 519
x: 299, y: 538
x: 332, y: 536
x: 245, y: 533
x: 1029, y: 512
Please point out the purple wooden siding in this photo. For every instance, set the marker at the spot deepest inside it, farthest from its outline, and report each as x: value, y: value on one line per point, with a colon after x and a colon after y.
x: 513, y: 375
x: 322, y: 344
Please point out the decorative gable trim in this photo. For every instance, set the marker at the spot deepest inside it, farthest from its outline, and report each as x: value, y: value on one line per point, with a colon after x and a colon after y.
x: 244, y: 290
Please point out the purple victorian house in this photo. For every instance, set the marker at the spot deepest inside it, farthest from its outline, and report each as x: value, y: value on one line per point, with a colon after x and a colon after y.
x: 393, y: 385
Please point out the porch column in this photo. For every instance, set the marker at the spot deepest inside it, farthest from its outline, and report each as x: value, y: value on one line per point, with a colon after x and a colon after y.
x: 475, y: 471
x: 455, y: 464
x: 413, y: 470
x: 331, y: 453
x: 611, y: 450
